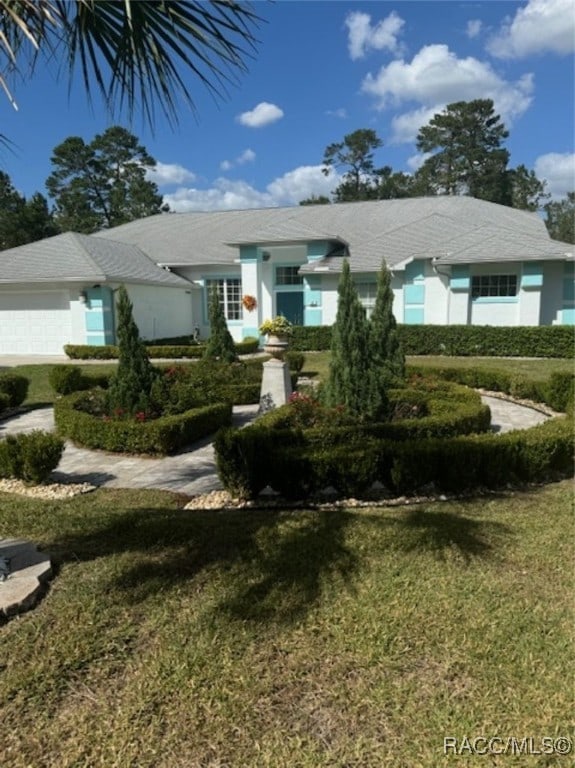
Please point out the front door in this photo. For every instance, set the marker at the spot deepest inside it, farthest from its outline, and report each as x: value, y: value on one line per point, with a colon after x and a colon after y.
x: 290, y: 305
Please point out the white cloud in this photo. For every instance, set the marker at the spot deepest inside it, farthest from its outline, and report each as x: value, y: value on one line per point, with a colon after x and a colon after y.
x: 262, y: 114
x: 406, y: 126
x: 474, y: 28
x: 436, y: 77
x: 415, y: 162
x: 362, y: 35
x: 558, y: 170
x: 302, y: 182
x: 539, y: 27
x: 247, y: 156
x: 165, y: 174
x: 226, y: 194
x: 341, y: 113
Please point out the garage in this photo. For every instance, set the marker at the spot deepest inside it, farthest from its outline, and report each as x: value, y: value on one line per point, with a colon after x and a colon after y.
x: 34, y: 322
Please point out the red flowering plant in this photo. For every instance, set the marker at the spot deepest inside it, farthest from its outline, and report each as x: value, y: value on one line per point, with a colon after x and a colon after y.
x: 249, y: 303
x: 307, y: 411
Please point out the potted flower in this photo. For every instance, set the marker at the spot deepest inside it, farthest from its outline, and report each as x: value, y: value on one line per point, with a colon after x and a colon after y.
x: 278, y: 329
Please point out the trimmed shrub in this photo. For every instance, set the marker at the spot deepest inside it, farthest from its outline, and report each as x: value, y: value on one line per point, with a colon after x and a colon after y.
x: 560, y: 391
x: 220, y: 345
x: 488, y: 340
x: 15, y: 387
x: 30, y: 457
x: 4, y: 402
x: 65, y: 379
x: 162, y: 436
x: 295, y: 360
x: 311, y: 338
x: 155, y: 351
x: 248, y: 346
x: 89, y: 352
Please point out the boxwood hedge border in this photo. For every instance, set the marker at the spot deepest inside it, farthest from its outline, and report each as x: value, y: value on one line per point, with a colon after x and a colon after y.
x: 161, y: 436
x: 300, y: 463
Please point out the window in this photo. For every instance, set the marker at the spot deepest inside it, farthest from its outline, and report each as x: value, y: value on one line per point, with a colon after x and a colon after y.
x: 288, y: 276
x: 493, y: 286
x: 367, y: 293
x: 230, y: 292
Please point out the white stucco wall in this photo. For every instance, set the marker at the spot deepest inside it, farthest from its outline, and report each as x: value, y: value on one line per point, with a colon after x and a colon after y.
x: 552, y: 293
x: 161, y: 312
x: 436, y: 297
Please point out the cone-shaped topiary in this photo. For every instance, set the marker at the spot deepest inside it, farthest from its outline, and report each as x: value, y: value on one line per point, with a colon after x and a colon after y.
x: 130, y: 386
x: 220, y: 344
x: 387, y: 355
x: 349, y: 382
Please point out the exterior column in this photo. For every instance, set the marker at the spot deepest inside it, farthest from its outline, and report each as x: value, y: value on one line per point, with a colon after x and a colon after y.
x: 250, y: 260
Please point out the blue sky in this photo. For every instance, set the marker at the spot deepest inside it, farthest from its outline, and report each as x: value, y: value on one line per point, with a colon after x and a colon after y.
x: 322, y: 70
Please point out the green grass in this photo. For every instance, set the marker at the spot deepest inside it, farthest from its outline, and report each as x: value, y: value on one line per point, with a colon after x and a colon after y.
x: 317, y: 364
x: 358, y: 637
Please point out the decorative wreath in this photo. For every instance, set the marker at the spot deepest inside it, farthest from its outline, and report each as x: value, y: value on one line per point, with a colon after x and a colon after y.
x: 249, y: 303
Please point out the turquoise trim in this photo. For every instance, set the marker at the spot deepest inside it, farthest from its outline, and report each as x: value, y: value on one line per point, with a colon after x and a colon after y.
x: 413, y: 316
x: 532, y: 275
x: 414, y: 294
x: 568, y: 316
x: 312, y: 316
x: 96, y: 340
x: 99, y: 316
x: 317, y: 250
x: 249, y: 254
x: 414, y: 272
x: 252, y: 332
x: 568, y: 290
x: 495, y: 300
x: 460, y: 279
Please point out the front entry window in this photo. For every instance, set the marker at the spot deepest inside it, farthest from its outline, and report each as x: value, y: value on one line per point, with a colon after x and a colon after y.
x: 230, y: 293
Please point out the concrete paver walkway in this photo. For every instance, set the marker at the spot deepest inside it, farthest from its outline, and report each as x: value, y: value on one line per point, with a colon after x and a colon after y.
x: 192, y: 471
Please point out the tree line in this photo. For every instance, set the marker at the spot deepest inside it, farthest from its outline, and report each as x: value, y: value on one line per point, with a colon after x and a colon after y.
x: 464, y: 153
x: 105, y: 182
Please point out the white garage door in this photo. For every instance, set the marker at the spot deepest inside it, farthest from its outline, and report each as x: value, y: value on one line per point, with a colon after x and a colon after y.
x: 35, y: 323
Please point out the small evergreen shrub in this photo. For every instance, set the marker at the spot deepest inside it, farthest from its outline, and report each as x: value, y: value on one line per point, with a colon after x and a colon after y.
x: 30, y: 457
x: 15, y: 386
x: 560, y: 391
x: 220, y: 345
x: 89, y: 352
x: 65, y: 379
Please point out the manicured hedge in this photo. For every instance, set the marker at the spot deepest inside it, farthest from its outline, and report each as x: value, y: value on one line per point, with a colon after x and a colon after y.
x: 442, y: 450
x: 30, y: 457
x: 65, y: 379
x: 15, y: 387
x: 155, y: 351
x: 162, y: 436
x: 463, y: 340
x: 253, y: 458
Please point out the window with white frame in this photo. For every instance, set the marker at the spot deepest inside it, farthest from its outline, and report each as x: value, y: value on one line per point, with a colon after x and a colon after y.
x: 288, y: 276
x: 367, y: 292
x: 493, y: 286
x: 230, y: 293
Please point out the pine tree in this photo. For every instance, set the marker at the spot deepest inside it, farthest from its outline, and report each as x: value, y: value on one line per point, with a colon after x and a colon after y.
x: 131, y: 385
x: 220, y: 344
x: 349, y: 382
x: 388, y: 360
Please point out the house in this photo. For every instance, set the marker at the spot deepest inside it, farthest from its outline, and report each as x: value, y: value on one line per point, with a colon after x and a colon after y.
x: 454, y: 260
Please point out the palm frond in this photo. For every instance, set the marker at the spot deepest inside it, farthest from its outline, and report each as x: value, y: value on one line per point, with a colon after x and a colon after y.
x: 135, y: 53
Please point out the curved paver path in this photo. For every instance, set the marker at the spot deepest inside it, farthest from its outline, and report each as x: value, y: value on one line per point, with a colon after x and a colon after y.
x: 193, y: 471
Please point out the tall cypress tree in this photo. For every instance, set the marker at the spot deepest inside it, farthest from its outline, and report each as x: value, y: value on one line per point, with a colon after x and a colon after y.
x: 349, y: 382
x: 131, y: 385
x: 220, y: 344
x: 388, y: 360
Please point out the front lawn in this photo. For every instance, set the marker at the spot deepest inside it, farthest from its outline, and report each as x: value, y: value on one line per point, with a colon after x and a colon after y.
x: 357, y: 637
x: 317, y: 364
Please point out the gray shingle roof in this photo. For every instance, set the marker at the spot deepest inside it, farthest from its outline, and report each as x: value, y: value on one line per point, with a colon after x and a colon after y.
x: 397, y: 230
x: 74, y: 257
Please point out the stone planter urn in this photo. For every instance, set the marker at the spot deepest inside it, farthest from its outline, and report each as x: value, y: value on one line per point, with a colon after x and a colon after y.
x: 276, y: 345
